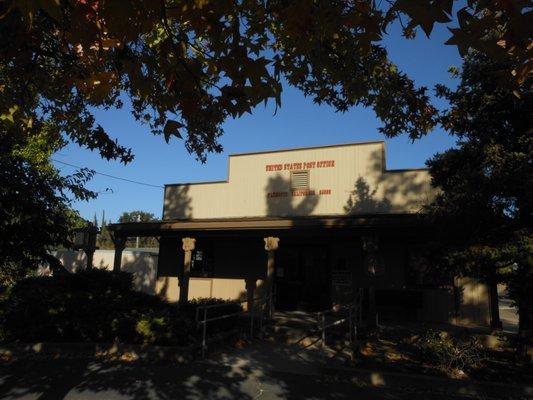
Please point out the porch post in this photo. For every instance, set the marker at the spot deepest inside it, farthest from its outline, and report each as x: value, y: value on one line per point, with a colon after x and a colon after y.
x: 250, y: 303
x: 188, y: 247
x: 90, y: 258
x: 250, y: 289
x: 370, y: 250
x: 120, y: 244
x: 91, y: 232
x: 271, y: 245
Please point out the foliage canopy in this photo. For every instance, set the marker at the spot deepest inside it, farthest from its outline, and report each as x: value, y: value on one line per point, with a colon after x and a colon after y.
x: 187, y: 65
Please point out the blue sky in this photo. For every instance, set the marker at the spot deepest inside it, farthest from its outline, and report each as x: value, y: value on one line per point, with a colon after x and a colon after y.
x: 298, y: 123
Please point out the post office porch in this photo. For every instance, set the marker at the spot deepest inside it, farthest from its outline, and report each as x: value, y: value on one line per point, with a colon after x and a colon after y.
x: 306, y: 263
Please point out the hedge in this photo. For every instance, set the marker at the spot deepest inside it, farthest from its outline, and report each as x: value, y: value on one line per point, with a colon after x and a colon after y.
x: 97, y: 306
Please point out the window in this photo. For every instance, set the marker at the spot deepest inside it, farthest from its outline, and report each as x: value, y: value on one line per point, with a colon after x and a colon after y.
x: 202, y: 263
x: 299, y: 180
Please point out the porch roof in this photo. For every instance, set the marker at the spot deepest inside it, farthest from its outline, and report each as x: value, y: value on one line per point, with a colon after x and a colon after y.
x: 339, y: 222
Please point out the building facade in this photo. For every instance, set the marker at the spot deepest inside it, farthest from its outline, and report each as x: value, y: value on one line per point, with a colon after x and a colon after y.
x: 311, y: 226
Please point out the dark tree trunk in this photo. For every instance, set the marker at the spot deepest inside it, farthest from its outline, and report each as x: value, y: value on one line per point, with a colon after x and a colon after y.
x: 524, y: 324
x: 372, y: 309
x: 495, y: 322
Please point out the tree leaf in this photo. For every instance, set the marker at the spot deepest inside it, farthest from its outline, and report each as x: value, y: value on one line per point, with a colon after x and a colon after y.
x: 172, y: 129
x: 9, y: 115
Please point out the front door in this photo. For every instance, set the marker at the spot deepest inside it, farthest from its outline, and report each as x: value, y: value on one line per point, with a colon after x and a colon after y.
x: 302, y: 279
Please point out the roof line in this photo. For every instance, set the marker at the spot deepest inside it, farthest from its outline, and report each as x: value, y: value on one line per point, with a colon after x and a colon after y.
x: 273, y: 218
x: 196, y: 183
x: 265, y: 223
x: 382, y: 142
x: 407, y: 169
x: 306, y: 148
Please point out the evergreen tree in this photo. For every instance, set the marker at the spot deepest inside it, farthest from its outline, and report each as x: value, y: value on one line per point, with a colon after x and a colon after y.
x: 484, y: 209
x: 139, y: 216
x: 104, y: 240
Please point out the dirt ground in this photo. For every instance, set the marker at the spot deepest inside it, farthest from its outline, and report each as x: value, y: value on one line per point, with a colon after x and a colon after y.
x: 395, y: 348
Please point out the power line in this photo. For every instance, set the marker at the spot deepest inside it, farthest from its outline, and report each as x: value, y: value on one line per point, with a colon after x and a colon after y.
x: 110, y: 176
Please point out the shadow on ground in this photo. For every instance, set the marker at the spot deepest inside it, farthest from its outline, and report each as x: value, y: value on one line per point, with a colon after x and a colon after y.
x: 205, y: 380
x: 262, y: 371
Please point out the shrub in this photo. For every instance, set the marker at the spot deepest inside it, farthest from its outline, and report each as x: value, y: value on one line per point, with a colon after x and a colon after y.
x: 94, y: 306
x: 448, y: 352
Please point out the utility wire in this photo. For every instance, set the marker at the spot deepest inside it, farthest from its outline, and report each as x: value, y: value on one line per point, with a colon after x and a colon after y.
x: 109, y: 176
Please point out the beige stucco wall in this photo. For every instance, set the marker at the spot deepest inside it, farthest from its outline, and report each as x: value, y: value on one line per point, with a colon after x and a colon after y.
x: 473, y: 302
x: 246, y: 193
x: 143, y: 265
x: 229, y: 289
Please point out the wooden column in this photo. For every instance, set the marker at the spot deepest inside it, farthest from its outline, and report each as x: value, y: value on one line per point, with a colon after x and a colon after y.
x: 120, y: 244
x: 250, y: 290
x: 90, y: 257
x: 271, y: 245
x: 188, y: 247
x: 370, y: 256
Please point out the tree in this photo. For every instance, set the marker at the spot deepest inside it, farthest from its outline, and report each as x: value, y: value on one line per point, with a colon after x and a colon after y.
x: 139, y: 216
x: 187, y: 65
x: 34, y: 213
x: 104, y: 239
x: 484, y: 210
x: 136, y: 216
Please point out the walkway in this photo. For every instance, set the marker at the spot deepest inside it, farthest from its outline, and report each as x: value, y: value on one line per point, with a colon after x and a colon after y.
x: 259, y: 371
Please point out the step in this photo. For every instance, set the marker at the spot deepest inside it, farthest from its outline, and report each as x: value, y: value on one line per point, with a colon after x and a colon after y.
x: 288, y: 335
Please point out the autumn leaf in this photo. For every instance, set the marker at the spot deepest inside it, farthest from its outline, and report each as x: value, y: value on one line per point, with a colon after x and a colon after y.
x: 426, y: 12
x: 9, y: 115
x: 172, y: 129
x: 208, y: 60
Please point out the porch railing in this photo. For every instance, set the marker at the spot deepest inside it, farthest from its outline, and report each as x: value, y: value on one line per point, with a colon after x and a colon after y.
x: 203, y: 319
x: 352, y: 316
